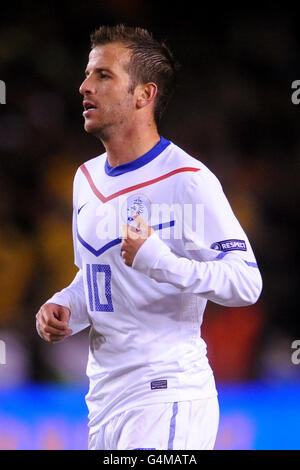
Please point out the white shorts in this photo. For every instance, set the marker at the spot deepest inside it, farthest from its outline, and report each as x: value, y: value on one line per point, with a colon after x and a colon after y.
x: 184, y: 425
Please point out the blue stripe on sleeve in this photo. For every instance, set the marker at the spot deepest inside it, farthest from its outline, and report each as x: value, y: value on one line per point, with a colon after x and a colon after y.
x: 224, y: 253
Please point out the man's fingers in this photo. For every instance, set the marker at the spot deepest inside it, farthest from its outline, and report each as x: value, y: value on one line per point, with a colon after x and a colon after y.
x: 64, y: 315
x: 50, y: 319
x: 48, y: 329
x: 144, y: 227
x: 52, y: 335
x: 55, y: 331
x: 124, y: 230
x: 140, y: 222
x: 53, y: 322
x: 54, y: 338
x: 57, y: 338
x: 133, y: 237
x: 129, y: 232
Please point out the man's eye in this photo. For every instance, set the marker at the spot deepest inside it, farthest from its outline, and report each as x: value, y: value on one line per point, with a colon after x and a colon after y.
x: 104, y: 75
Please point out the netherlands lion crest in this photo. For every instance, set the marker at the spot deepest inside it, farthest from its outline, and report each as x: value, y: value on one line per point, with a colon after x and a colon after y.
x: 136, y: 204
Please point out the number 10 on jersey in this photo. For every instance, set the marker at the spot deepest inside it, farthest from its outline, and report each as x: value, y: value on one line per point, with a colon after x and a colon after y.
x: 99, y: 287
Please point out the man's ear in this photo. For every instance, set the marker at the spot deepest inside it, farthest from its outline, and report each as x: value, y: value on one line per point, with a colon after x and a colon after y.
x: 145, y: 94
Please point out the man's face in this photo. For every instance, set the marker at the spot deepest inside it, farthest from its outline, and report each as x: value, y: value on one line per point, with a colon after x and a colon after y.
x: 107, y: 101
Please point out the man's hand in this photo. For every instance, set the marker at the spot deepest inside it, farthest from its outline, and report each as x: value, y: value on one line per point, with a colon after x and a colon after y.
x: 133, y: 238
x: 52, y: 322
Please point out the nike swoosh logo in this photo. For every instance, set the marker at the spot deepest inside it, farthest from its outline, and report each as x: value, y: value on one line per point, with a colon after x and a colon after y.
x: 82, y: 207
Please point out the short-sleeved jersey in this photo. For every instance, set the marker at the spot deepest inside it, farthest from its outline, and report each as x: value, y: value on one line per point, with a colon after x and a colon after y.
x: 145, y: 320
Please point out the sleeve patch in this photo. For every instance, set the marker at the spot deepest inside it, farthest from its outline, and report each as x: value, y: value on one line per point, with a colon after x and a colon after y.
x: 229, y: 245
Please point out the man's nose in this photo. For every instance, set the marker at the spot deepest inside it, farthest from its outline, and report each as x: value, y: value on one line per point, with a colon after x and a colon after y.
x: 86, y: 87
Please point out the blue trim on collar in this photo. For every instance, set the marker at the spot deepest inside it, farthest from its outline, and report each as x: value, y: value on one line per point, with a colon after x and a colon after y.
x: 138, y: 162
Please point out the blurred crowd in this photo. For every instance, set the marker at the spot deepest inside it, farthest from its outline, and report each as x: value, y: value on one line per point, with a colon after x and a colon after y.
x: 232, y: 110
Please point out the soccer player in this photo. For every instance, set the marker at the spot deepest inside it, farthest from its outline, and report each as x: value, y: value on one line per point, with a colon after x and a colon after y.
x: 154, y: 239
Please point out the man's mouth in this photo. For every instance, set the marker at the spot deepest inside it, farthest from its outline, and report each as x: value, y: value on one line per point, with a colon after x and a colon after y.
x: 89, y: 107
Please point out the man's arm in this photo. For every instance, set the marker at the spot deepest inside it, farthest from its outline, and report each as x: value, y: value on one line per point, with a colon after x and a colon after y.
x: 65, y: 313
x: 228, y: 281
x: 229, y: 278
x: 52, y: 322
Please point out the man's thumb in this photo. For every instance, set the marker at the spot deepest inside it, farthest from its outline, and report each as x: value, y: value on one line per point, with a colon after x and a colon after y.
x: 64, y: 314
x: 142, y: 224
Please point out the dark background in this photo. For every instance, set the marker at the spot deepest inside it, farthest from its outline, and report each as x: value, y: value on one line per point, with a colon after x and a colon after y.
x: 232, y: 110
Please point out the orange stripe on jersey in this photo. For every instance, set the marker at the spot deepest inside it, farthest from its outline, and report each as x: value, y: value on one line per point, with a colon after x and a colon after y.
x: 130, y: 188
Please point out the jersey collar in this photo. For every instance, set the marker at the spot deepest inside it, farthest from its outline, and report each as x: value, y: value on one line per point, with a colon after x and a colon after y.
x: 138, y: 162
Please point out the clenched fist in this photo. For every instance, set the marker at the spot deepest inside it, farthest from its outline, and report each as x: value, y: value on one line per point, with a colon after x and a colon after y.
x: 133, y: 238
x: 52, y: 322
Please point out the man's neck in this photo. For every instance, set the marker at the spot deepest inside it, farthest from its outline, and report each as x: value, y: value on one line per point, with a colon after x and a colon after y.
x: 124, y: 148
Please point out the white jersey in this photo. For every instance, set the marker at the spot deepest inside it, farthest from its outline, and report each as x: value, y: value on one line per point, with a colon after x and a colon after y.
x: 145, y: 320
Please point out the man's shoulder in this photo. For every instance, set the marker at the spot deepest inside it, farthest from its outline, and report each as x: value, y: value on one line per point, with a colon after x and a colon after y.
x: 188, y: 163
x: 95, y: 162
x: 92, y: 165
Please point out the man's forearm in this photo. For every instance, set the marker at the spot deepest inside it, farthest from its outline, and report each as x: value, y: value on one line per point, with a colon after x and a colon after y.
x: 73, y: 297
x: 229, y: 281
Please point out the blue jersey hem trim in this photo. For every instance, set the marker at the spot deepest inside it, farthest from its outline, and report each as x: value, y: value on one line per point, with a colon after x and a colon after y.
x: 139, y: 162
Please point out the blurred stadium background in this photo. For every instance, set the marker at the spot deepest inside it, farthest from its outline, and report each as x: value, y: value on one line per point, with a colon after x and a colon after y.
x: 233, y: 111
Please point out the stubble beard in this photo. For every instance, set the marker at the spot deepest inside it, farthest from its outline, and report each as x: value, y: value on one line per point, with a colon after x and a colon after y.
x: 106, y: 131
x: 117, y: 120
x: 100, y: 132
